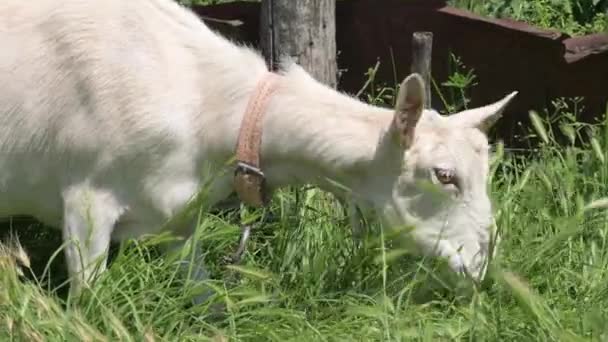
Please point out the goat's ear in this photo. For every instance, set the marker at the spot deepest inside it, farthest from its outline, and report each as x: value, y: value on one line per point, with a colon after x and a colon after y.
x: 484, y: 117
x: 408, y: 108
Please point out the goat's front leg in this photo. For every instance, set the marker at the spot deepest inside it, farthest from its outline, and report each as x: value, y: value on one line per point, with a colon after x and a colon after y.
x: 191, y: 263
x: 88, y: 220
x: 357, y: 227
x: 350, y: 209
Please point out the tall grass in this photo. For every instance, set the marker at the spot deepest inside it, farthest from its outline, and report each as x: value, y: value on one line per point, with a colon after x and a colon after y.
x: 575, y: 17
x: 303, y: 279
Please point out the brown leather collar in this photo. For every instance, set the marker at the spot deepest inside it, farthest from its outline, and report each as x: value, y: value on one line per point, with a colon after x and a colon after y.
x: 249, y: 180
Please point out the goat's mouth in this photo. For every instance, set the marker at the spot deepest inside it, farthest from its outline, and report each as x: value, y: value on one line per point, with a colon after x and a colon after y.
x: 477, y: 269
x: 460, y: 259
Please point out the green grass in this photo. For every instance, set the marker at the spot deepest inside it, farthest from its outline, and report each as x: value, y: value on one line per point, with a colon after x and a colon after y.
x: 575, y: 17
x: 303, y: 279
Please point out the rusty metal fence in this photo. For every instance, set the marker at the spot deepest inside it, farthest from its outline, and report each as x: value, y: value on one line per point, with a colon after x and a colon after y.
x: 505, y: 55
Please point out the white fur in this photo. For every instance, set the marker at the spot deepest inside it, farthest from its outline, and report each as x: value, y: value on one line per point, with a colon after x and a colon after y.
x: 114, y: 113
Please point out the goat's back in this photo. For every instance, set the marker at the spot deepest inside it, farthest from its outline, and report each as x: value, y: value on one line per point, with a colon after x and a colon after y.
x: 103, y: 91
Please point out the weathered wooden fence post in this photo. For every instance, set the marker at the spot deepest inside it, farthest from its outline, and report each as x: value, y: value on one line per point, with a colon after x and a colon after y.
x: 305, y: 30
x: 422, y: 48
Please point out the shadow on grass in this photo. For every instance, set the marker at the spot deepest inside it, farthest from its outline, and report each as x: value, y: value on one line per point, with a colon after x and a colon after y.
x: 41, y: 244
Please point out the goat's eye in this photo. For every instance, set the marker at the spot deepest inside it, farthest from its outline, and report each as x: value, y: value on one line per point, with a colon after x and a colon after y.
x: 445, y: 176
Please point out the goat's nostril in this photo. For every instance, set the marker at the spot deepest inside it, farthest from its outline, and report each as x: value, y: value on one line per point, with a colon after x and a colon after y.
x: 456, y: 263
x: 484, y: 244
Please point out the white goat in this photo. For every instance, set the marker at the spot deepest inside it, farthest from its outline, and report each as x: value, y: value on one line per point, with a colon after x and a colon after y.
x: 113, y: 113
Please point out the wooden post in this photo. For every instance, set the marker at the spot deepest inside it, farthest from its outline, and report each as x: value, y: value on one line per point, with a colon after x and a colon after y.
x: 422, y: 48
x: 304, y: 30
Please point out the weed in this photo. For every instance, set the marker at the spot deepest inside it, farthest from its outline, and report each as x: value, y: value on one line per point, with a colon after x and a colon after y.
x: 574, y: 17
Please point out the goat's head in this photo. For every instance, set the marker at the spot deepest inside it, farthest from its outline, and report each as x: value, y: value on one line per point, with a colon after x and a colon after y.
x: 431, y: 174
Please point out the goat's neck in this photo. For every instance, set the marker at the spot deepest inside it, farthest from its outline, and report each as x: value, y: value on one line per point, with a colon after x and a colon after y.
x: 315, y: 135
